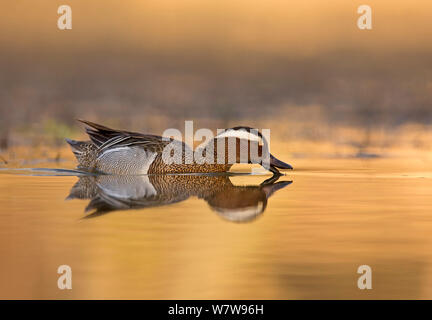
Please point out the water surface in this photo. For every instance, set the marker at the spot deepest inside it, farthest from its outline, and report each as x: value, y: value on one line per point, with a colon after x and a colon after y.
x: 220, y: 237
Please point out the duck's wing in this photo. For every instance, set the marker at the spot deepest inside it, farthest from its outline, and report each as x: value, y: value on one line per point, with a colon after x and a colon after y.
x: 106, y: 138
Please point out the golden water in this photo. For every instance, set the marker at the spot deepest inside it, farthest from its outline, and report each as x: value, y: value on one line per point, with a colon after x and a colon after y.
x: 337, y: 214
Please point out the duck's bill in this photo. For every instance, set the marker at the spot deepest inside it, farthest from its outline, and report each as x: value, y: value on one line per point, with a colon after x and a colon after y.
x: 276, y: 163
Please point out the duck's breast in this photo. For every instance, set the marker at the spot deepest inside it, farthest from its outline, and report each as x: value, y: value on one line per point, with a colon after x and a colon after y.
x: 125, y: 160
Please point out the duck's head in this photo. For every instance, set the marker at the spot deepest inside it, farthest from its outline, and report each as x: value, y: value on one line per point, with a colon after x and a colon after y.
x: 251, y: 147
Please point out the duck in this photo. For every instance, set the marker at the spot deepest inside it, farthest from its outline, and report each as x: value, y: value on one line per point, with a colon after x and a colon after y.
x: 233, y: 203
x: 120, y: 152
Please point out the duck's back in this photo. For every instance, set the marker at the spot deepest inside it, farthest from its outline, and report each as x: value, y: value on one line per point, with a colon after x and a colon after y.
x: 122, y: 152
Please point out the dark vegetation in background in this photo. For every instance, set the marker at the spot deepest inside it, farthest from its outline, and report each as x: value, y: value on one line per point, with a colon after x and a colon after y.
x: 356, y: 89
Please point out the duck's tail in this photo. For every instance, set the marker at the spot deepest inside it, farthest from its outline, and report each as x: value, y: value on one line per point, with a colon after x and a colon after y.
x: 84, y: 151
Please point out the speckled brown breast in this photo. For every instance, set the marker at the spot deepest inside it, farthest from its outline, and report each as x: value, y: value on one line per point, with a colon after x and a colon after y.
x: 159, y: 166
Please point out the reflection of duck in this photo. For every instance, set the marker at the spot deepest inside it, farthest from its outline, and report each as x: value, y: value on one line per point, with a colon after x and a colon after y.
x: 234, y: 203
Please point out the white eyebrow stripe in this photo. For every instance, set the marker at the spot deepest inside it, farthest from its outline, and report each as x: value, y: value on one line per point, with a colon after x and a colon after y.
x: 241, y: 134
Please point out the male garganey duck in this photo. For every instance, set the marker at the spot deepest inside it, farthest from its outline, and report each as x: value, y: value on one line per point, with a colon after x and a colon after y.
x: 121, y: 152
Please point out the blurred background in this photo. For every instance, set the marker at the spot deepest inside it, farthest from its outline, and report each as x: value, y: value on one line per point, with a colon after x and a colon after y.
x: 301, y: 68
